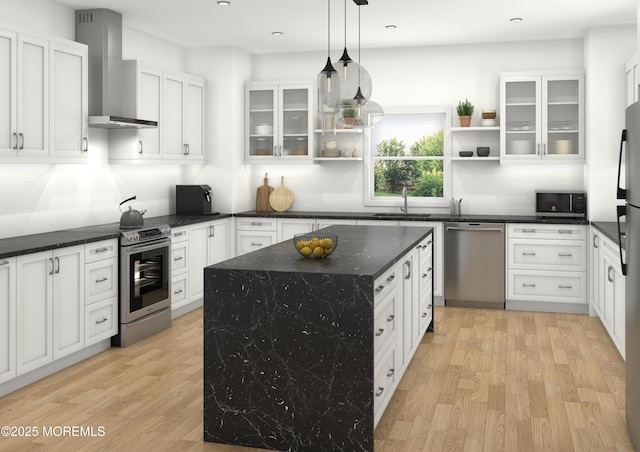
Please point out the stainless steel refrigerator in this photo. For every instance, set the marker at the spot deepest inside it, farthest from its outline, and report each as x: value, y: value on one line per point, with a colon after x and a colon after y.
x: 630, y: 262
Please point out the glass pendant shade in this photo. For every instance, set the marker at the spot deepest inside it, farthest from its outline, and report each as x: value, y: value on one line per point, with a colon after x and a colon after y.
x: 349, y: 85
x: 372, y: 114
x: 329, y: 86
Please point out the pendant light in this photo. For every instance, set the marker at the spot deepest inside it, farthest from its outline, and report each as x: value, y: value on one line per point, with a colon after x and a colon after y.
x: 328, y: 81
x: 360, y: 99
x: 345, y: 59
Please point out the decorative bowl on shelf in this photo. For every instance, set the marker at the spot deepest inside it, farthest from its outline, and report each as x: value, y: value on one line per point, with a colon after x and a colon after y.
x: 466, y: 153
x: 483, y: 151
x: 488, y: 114
x: 315, y: 244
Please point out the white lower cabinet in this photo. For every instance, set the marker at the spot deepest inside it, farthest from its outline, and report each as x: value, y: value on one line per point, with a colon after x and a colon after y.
x: 547, y: 263
x: 101, y: 291
x: 7, y: 319
x: 403, y: 310
x: 179, y: 267
x: 254, y: 233
x: 608, y: 288
x: 50, y: 315
x: 209, y: 243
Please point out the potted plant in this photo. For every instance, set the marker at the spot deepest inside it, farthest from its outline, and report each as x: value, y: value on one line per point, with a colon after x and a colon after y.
x: 465, y: 111
x: 349, y: 115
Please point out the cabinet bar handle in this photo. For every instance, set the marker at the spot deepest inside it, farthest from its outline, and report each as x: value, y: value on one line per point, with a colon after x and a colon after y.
x: 51, y: 260
x: 565, y: 254
x: 380, y: 288
x: 4, y: 263
x: 140, y: 147
x: 528, y: 285
x: 256, y: 244
x: 178, y: 234
x: 390, y: 318
x: 57, y: 265
x: 380, y: 332
x: 379, y: 391
x: 565, y: 231
x: 256, y: 223
x: 102, y: 280
x: 86, y: 144
x: 390, y: 372
x: 609, y: 278
x: 529, y: 231
x: 21, y: 135
x: 424, y: 275
x: 424, y: 314
x: 176, y: 292
x: 595, y: 241
x: 528, y: 253
x: 212, y: 231
x: 408, y: 264
x: 179, y: 258
x: 15, y: 138
x: 98, y: 322
x: 101, y: 250
x: 391, y: 277
x: 564, y: 286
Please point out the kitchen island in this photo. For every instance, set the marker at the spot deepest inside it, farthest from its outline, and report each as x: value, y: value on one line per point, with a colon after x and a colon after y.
x: 304, y: 354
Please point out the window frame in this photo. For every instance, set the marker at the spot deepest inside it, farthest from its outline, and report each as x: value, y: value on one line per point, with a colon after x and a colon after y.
x: 369, y: 159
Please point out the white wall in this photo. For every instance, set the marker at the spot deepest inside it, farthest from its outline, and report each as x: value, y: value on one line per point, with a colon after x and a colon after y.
x: 606, y: 51
x: 430, y: 76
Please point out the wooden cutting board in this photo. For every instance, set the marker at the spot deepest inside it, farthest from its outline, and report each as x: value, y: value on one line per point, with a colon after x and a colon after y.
x: 262, y: 196
x: 281, y: 198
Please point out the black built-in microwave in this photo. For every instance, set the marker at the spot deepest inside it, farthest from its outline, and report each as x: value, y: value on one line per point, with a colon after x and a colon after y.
x: 561, y: 204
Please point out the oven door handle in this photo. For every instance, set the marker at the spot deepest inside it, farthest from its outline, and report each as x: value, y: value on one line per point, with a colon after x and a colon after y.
x: 147, y: 247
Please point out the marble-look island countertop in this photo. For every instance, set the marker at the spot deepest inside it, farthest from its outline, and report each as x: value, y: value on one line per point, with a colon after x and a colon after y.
x: 289, y: 343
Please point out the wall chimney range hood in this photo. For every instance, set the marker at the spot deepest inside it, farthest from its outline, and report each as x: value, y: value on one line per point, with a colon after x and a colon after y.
x: 101, y: 31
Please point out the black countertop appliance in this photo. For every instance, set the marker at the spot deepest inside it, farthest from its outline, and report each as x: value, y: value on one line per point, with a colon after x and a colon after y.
x: 194, y: 200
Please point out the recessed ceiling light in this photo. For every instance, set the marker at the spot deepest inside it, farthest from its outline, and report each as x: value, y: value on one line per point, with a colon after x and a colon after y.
x: 277, y: 33
x: 516, y: 19
x: 223, y: 3
x: 390, y: 27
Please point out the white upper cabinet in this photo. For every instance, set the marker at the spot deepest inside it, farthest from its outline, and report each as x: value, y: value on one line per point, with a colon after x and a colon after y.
x: 69, y: 101
x: 278, y: 122
x: 542, y: 117
x: 183, y: 117
x: 43, y: 99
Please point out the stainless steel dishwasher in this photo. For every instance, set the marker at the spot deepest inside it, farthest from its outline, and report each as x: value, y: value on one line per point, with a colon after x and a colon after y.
x: 474, y: 262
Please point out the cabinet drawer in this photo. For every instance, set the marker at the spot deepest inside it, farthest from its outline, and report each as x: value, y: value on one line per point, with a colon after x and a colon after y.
x: 384, y: 380
x: 179, y: 235
x: 547, y: 231
x: 426, y: 310
x: 251, y: 241
x: 104, y: 249
x: 101, y: 321
x: 530, y: 285
x: 385, y: 283
x: 570, y: 255
x: 256, y: 224
x: 179, y: 257
x: 179, y: 290
x: 384, y: 323
x: 101, y: 280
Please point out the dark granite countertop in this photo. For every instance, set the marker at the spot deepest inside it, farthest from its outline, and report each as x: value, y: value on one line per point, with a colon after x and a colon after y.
x: 610, y: 230
x: 361, y: 250
x: 415, y: 217
x: 26, y: 244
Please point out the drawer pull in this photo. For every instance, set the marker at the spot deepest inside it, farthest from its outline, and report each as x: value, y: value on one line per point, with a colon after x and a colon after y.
x: 256, y: 244
x: 564, y: 286
x: 102, y: 280
x: 256, y: 223
x: 424, y: 275
x: 609, y: 270
x: 528, y: 285
x: 379, y: 391
x: 390, y: 318
x: 565, y: 231
x: 565, y: 255
x: 595, y: 241
x: 391, y: 277
x: 101, y: 250
x: 179, y: 258
x: 379, y: 289
x: 98, y: 322
x: 390, y: 372
x: 178, y: 234
x: 528, y: 253
x: 4, y: 263
x: 380, y: 332
x: 428, y: 243
x: 529, y: 231
x: 424, y: 314
x: 176, y: 292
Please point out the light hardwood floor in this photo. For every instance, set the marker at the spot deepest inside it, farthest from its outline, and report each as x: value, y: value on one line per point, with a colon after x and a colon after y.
x: 484, y: 381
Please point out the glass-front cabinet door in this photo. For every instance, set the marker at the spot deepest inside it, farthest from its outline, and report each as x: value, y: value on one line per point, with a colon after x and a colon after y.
x: 278, y: 122
x: 542, y: 117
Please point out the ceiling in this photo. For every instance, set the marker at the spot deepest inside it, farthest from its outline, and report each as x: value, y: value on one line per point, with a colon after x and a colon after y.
x: 248, y: 24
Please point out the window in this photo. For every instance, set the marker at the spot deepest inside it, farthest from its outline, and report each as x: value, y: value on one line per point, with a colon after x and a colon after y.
x: 409, y: 149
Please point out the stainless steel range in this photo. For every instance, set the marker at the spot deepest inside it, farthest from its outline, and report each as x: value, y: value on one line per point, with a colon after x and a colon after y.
x: 145, y: 296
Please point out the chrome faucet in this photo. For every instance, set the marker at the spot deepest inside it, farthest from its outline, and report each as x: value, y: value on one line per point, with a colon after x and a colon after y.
x: 404, y: 197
